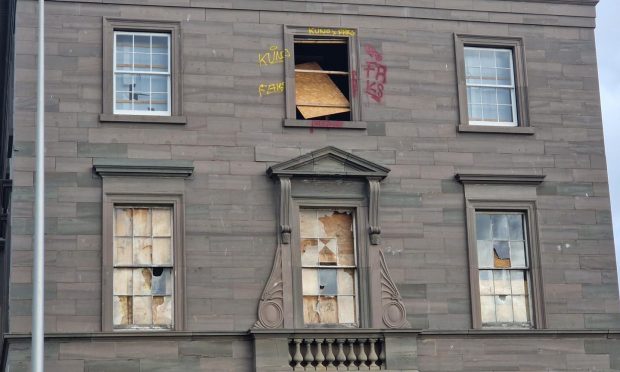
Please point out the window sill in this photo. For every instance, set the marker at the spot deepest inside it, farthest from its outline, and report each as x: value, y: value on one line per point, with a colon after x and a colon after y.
x: 146, y: 119
x: 495, y: 129
x: 338, y: 124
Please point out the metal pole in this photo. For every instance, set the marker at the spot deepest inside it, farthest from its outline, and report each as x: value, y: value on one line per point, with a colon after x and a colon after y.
x: 39, y: 208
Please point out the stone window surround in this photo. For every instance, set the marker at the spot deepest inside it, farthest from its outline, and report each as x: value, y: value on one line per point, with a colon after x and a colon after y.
x: 504, y: 193
x: 380, y: 302
x: 289, y: 72
x: 520, y: 77
x: 149, y: 183
x: 174, y: 29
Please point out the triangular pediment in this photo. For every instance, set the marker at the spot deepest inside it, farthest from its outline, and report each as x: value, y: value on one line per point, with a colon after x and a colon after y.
x: 329, y: 162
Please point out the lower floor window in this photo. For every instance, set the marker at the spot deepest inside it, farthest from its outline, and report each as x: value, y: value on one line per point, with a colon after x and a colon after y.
x: 329, y: 271
x: 143, y: 267
x: 503, y: 269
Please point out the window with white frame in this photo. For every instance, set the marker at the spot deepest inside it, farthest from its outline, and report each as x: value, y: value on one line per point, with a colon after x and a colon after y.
x: 329, y: 269
x: 503, y: 269
x: 490, y: 81
x: 143, y: 277
x: 141, y: 81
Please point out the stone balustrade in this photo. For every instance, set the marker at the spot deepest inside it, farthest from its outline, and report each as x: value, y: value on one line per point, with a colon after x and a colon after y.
x: 336, y: 354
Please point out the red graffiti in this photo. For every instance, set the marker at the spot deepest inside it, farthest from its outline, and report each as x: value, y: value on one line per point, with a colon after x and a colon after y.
x: 354, y: 82
x: 326, y: 124
x: 376, y: 74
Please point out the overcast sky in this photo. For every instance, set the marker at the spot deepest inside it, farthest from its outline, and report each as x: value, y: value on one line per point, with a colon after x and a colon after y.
x: 608, y: 53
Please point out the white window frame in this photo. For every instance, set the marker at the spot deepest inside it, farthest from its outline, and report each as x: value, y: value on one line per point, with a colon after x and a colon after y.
x: 512, y: 87
x: 116, y: 72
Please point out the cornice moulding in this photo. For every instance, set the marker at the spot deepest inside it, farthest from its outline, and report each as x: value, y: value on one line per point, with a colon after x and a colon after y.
x: 143, y: 168
x: 501, y: 179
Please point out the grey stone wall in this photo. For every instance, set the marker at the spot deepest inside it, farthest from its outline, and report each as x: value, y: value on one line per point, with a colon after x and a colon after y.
x: 232, y: 135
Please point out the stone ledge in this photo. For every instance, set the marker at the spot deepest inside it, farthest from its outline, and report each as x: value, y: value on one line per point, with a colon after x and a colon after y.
x: 143, y: 168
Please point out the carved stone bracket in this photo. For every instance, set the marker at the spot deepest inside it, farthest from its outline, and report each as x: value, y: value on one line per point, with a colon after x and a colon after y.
x: 270, y: 307
x: 373, y: 210
x: 285, y: 197
x: 394, y: 313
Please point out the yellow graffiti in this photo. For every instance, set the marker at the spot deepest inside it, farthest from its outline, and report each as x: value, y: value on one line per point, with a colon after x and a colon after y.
x: 271, y: 88
x: 331, y: 31
x: 273, y: 56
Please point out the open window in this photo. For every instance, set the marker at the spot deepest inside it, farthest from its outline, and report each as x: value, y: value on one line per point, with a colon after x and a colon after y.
x: 321, y: 76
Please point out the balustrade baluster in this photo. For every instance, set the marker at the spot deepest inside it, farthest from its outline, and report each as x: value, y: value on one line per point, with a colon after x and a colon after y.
x: 351, y: 357
x: 341, y: 357
x: 308, y: 357
x: 372, y: 355
x: 382, y: 354
x: 319, y: 358
x: 330, y: 357
x: 297, y: 357
x: 362, y: 357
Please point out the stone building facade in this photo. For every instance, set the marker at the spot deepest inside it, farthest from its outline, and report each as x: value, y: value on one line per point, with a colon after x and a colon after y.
x: 238, y: 185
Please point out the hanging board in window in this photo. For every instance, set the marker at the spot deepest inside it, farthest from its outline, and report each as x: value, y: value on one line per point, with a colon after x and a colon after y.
x: 316, y: 94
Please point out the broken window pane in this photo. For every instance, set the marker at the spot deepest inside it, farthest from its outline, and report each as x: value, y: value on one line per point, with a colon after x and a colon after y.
x: 485, y: 253
x: 517, y: 254
x: 322, y: 78
x: 123, y: 282
x: 515, y: 223
x: 308, y: 223
x: 310, y: 281
x: 142, y: 310
x: 521, y: 309
x: 499, y: 224
x: 123, y: 310
x: 503, y: 309
x: 501, y: 281
x: 346, y: 309
x: 142, y: 251
x: 483, y: 226
x: 161, y: 222
x: 327, y: 252
x: 501, y: 251
x: 162, y: 251
x: 327, y: 283
x: 311, y: 313
x: 346, y: 282
x: 142, y: 281
x: 487, y: 309
x: 123, y: 251
x: 328, y: 310
x: 122, y: 223
x: 486, y: 282
x: 162, y: 310
x: 309, y: 252
x: 134, y: 288
x: 141, y: 222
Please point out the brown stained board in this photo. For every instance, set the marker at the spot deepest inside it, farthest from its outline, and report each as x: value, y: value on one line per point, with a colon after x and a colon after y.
x: 313, y: 91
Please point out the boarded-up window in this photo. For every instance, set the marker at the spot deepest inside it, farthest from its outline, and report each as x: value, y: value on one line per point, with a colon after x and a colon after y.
x: 329, y: 271
x: 503, y: 268
x: 143, y: 267
x: 322, y: 78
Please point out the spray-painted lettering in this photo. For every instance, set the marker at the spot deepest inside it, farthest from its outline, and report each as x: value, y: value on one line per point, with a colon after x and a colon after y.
x: 273, y: 56
x: 331, y: 31
x: 376, y: 74
x: 265, y: 89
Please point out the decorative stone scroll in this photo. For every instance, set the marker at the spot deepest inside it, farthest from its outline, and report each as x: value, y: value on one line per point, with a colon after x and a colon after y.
x: 394, y: 313
x: 270, y: 307
x: 285, y: 197
x: 374, y: 230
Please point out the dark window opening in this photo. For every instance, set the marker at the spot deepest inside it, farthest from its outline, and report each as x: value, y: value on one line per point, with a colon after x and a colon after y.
x: 322, y: 78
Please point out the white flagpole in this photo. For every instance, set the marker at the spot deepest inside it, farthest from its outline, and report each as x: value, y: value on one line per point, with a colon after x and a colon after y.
x: 39, y: 209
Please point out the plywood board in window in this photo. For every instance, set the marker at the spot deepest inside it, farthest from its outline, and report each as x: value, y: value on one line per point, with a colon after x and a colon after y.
x: 316, y: 94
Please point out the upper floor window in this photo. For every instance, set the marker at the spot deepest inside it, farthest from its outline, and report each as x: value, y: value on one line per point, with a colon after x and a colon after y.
x: 142, y: 80
x: 489, y: 75
x: 492, y: 84
x: 141, y: 73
